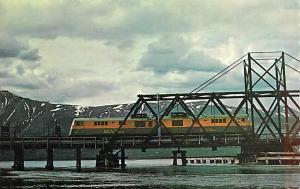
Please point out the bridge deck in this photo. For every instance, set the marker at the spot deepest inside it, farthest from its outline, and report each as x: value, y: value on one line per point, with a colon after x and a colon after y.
x: 8, y: 143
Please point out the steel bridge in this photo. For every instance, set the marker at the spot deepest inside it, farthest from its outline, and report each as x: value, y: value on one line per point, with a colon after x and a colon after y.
x: 266, y: 97
x: 261, y: 71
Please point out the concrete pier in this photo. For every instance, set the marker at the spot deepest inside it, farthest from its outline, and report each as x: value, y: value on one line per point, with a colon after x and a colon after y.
x: 49, y: 165
x: 123, y: 165
x: 174, y: 157
x: 78, y: 159
x: 100, y: 159
x: 182, y: 157
x: 111, y: 159
x: 18, y: 158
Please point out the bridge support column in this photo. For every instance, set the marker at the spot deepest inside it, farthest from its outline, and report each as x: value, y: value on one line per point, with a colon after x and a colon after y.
x: 182, y: 156
x: 78, y: 159
x: 111, y: 159
x: 174, y: 157
x: 49, y: 165
x: 123, y: 165
x: 18, y: 158
x: 100, y: 159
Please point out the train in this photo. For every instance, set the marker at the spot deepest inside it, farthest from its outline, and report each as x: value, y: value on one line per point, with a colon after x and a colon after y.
x: 177, y: 123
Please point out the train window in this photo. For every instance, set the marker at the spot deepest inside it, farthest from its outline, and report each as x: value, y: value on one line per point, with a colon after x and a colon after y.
x: 205, y: 120
x: 150, y: 124
x: 177, y: 122
x: 140, y: 123
x: 120, y: 122
x: 220, y: 120
x: 224, y: 120
x: 243, y: 119
x: 100, y: 123
x: 216, y: 121
x: 213, y: 120
x: 78, y: 123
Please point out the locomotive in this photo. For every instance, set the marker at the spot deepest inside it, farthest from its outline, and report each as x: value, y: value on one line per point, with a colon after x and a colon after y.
x: 177, y: 123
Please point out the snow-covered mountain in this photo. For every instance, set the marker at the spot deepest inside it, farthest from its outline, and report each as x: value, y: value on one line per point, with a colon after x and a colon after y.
x: 37, y: 118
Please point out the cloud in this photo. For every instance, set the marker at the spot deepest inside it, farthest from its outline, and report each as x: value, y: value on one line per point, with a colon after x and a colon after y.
x: 177, y: 54
x: 31, y: 55
x: 77, y: 92
x: 12, y: 48
x: 117, y: 20
x: 92, y: 51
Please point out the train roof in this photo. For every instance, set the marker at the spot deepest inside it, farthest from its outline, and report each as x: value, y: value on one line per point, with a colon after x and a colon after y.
x: 108, y: 119
x: 224, y: 116
x: 166, y: 117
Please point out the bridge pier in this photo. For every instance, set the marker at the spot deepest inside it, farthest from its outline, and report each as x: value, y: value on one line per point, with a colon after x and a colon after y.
x: 111, y: 159
x: 182, y: 156
x: 49, y: 165
x: 174, y: 157
x: 107, y: 159
x: 78, y: 159
x: 123, y: 165
x: 100, y: 159
x: 18, y: 158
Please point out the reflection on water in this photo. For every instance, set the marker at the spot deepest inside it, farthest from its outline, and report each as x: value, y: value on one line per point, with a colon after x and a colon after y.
x: 150, y: 174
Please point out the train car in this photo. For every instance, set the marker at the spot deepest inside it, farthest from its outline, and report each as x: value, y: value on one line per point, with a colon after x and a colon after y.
x: 176, y: 123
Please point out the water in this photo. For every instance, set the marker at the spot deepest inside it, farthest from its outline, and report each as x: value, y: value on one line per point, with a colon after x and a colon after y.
x: 150, y: 174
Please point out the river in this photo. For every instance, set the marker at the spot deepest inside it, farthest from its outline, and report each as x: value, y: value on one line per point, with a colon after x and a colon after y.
x: 150, y: 174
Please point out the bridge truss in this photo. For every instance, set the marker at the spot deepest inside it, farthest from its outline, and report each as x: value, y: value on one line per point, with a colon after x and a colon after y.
x: 274, y: 111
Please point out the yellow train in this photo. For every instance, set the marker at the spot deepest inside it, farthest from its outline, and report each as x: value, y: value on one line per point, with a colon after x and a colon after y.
x: 140, y: 124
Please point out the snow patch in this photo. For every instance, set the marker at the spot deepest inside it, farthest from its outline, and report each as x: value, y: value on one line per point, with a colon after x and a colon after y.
x: 118, y: 107
x: 79, y: 109
x: 26, y: 107
x: 11, y: 114
x: 55, y: 109
x: 143, y: 107
x: 230, y: 109
x: 3, y: 104
x: 43, y: 104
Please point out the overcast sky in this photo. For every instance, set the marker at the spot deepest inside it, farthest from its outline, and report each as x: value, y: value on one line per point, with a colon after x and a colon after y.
x: 107, y: 52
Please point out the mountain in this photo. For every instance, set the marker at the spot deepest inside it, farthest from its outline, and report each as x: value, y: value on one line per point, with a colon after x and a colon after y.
x: 37, y: 118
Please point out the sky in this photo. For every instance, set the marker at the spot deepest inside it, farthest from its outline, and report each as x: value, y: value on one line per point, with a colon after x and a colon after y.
x: 106, y: 52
